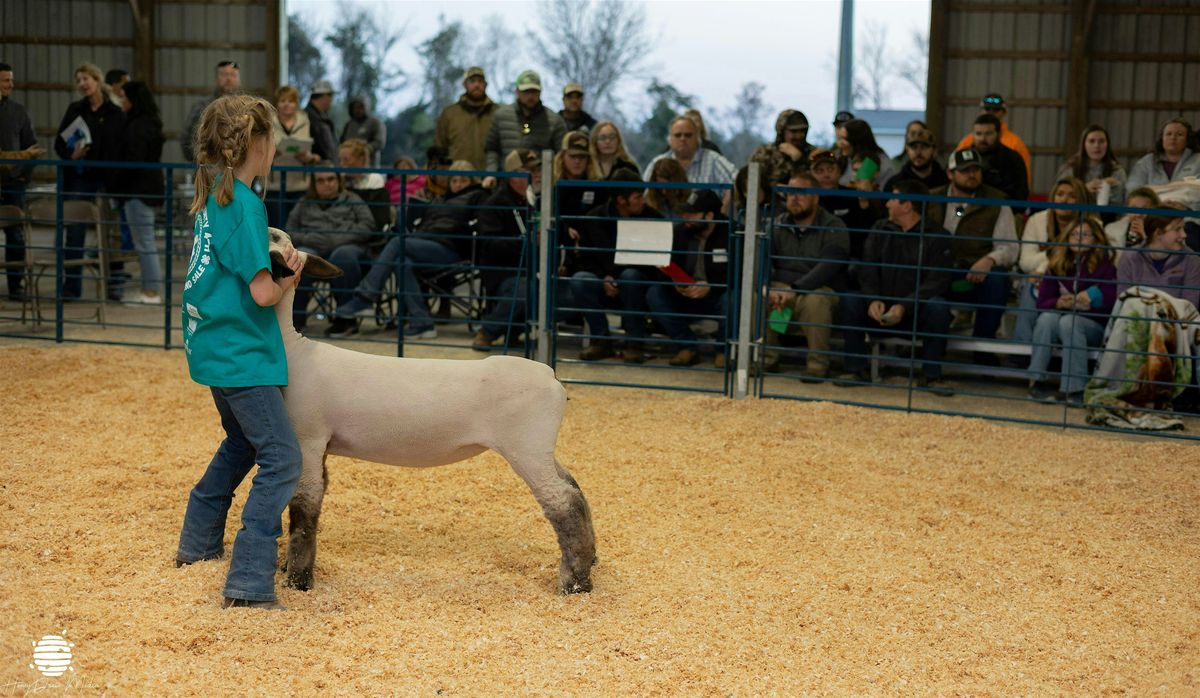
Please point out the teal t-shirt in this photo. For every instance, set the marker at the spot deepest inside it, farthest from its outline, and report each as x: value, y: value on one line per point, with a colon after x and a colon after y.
x: 231, y: 342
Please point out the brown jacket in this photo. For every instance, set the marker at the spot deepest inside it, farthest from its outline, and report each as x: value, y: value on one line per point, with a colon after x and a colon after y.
x: 463, y: 129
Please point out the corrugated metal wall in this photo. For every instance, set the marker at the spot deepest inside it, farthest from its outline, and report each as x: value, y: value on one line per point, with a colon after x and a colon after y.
x: 44, y: 40
x: 1138, y: 67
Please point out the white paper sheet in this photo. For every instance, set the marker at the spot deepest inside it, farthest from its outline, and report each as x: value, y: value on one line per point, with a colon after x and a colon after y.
x: 77, y: 126
x: 643, y: 243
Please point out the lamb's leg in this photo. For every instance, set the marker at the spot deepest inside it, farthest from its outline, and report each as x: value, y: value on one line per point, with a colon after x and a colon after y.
x: 303, y: 514
x: 567, y: 510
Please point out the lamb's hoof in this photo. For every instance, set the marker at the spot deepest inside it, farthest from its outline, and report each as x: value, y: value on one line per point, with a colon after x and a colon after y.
x: 300, y: 580
x: 576, y: 586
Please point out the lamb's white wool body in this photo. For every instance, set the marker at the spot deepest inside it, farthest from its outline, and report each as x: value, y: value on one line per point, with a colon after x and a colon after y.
x: 426, y: 412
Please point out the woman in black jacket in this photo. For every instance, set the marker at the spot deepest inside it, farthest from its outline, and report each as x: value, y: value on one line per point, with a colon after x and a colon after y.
x: 101, y: 142
x: 142, y: 190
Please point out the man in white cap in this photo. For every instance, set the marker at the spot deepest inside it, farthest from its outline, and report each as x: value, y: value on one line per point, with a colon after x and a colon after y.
x: 462, y: 127
x: 527, y: 123
x: 572, y: 112
x: 320, y: 101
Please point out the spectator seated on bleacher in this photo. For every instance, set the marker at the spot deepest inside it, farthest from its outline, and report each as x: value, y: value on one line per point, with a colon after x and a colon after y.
x: 599, y: 285
x: 608, y: 153
x: 700, y: 250
x: 701, y: 164
x: 335, y: 224
x: 371, y: 187
x: 1130, y: 229
x: 1096, y: 166
x: 1172, y: 160
x: 667, y: 200
x: 1075, y: 296
x: 1044, y: 228
x: 1003, y: 167
x: 440, y: 238
x: 809, y: 250
x: 890, y: 299
x: 862, y: 158
x: 858, y: 214
x: 920, y: 162
x: 1163, y: 262
x: 984, y: 245
x: 503, y: 226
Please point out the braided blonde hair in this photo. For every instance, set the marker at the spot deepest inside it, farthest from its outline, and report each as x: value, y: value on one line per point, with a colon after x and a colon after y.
x: 227, y: 131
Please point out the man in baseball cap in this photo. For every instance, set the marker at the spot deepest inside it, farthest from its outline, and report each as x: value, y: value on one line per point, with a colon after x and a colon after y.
x: 920, y: 162
x: 524, y: 124
x: 462, y: 127
x: 572, y: 112
x: 995, y: 105
x: 320, y: 102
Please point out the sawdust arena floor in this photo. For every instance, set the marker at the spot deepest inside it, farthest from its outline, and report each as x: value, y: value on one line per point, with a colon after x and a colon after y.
x: 746, y: 548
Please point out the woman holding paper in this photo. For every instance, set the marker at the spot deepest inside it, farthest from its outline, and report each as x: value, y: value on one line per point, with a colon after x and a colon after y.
x: 90, y: 130
x: 293, y: 147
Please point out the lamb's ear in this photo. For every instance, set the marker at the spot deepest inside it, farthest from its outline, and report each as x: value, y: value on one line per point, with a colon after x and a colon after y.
x: 278, y: 268
x: 320, y: 268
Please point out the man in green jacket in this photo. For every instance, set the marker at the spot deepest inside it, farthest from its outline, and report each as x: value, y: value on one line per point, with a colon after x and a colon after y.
x: 462, y: 127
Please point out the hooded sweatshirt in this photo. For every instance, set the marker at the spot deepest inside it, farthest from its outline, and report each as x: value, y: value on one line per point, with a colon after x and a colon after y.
x: 369, y: 128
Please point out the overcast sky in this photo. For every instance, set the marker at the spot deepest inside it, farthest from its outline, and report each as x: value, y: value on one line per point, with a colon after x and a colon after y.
x: 708, y: 48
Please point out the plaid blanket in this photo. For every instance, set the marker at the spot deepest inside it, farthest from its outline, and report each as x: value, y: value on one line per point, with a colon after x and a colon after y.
x: 1147, y: 361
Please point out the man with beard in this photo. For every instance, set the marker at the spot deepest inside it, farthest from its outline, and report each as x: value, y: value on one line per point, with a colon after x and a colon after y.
x: 462, y: 127
x: 859, y: 215
x: 921, y: 163
x: 572, y: 112
x: 984, y: 244
x: 525, y: 124
x: 1003, y: 167
x: 809, y: 249
x: 901, y: 251
x: 229, y: 81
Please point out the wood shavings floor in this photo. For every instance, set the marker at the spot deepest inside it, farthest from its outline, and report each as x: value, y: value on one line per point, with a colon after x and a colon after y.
x: 746, y: 548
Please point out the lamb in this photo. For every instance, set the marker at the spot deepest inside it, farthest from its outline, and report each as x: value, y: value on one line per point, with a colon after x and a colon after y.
x: 421, y: 413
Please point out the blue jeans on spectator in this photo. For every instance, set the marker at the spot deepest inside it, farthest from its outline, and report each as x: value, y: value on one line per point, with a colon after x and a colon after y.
x: 933, y: 323
x: 75, y: 234
x: 141, y: 226
x: 423, y: 250
x: 587, y: 292
x: 349, y: 258
x: 676, y: 312
x: 257, y: 429
x: 1027, y: 311
x: 1076, y: 333
x: 990, y: 296
x: 508, y: 312
x: 13, y: 194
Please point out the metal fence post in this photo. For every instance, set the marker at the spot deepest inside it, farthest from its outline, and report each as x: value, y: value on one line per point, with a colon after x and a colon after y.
x: 542, y: 268
x: 749, y: 240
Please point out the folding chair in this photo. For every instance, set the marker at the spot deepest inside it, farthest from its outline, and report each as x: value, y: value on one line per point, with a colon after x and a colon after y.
x: 42, y: 213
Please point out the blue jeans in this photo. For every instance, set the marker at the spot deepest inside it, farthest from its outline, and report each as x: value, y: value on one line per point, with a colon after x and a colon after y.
x: 141, y: 226
x: 257, y: 429
x: 990, y: 297
x: 14, y: 236
x: 587, y: 292
x: 423, y: 250
x: 1027, y: 312
x: 349, y: 258
x: 933, y: 324
x: 676, y: 312
x: 1076, y: 333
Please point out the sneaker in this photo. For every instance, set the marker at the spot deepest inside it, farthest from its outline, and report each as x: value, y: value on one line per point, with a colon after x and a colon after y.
x: 483, y: 341
x: 684, y: 357
x: 634, y: 355
x: 852, y: 379
x: 353, y: 307
x: 1043, y: 392
x: 150, y: 298
x: 342, y: 327
x: 426, y: 332
x: 598, y: 350
x: 937, y: 386
x: 272, y: 605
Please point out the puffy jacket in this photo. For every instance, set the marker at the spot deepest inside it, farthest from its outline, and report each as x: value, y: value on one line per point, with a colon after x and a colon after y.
x: 463, y: 129
x: 546, y: 131
x: 449, y: 218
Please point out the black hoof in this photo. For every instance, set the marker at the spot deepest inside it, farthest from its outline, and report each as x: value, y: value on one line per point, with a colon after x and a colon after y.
x: 579, y: 586
x: 301, y: 581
